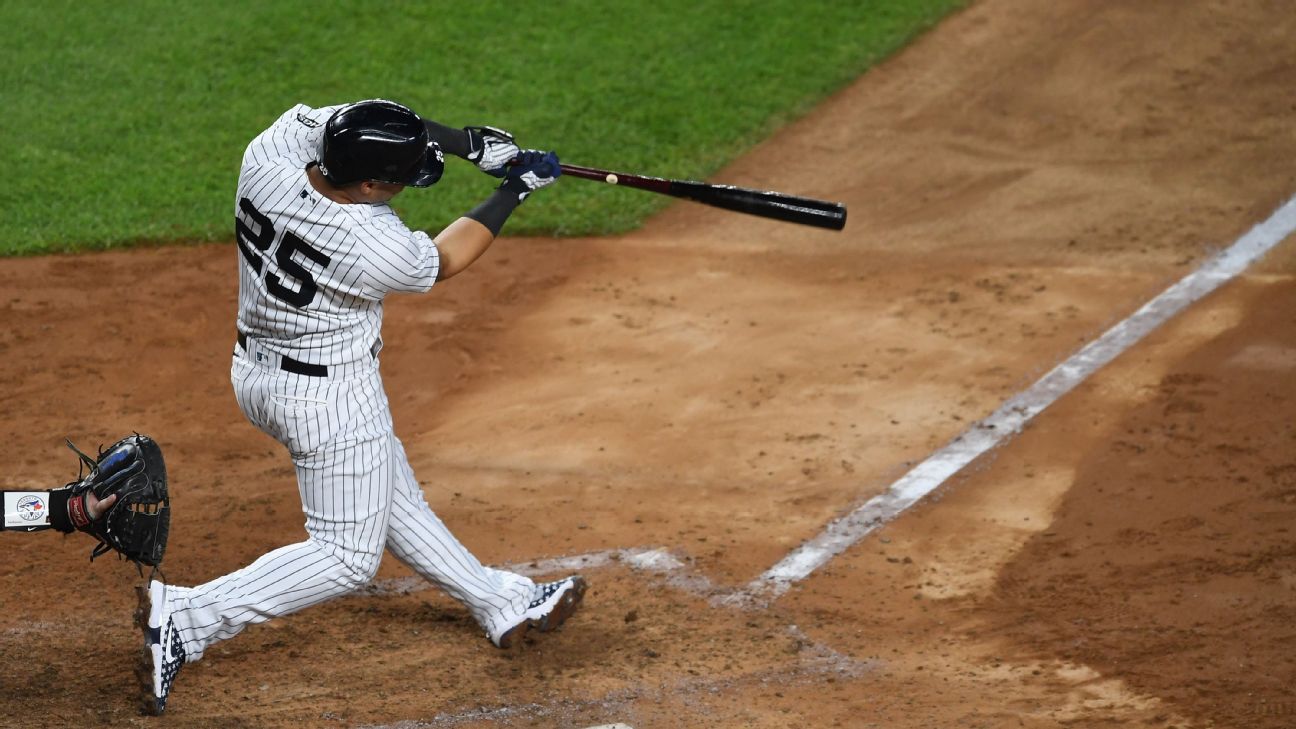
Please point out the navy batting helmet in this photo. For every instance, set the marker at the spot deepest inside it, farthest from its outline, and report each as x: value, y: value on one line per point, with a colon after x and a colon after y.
x: 382, y: 141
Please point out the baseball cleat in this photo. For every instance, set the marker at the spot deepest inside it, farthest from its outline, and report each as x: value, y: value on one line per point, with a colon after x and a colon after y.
x: 163, y: 653
x: 551, y: 605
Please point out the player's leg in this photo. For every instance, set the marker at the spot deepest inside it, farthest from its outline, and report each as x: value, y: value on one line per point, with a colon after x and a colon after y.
x: 345, y: 481
x: 340, y: 555
x: 419, y: 539
x: 505, y: 604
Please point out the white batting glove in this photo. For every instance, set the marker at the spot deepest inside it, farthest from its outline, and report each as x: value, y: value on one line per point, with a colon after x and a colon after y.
x: 490, y: 149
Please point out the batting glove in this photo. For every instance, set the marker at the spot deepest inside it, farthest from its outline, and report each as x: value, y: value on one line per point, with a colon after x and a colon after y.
x: 490, y: 149
x: 530, y: 171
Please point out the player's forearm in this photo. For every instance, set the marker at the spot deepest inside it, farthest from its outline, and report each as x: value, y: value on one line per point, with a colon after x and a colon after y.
x: 461, y: 243
x: 451, y: 140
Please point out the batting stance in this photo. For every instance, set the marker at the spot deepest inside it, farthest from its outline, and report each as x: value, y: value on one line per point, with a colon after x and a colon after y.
x: 319, y: 249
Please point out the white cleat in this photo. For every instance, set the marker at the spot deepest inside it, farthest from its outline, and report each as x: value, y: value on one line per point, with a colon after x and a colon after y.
x: 163, y: 653
x: 551, y: 605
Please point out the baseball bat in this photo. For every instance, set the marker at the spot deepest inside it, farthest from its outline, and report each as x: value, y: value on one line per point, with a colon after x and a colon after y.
x: 777, y: 205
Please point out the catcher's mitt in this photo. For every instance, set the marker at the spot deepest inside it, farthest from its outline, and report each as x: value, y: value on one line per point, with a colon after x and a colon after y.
x: 136, y: 526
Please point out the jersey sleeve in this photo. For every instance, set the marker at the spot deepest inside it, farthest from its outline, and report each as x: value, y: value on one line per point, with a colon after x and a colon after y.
x: 399, y: 259
x: 293, y: 139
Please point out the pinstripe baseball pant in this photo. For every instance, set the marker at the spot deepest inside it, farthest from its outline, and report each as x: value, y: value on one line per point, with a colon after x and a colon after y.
x: 359, y: 496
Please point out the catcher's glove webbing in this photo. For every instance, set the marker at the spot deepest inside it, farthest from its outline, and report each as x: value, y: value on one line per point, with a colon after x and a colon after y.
x: 136, y: 526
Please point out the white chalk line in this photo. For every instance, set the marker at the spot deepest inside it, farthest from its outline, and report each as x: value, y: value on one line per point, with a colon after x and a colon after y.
x: 842, y: 533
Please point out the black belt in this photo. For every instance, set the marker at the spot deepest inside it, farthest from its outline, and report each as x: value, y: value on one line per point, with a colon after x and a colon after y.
x: 288, y: 364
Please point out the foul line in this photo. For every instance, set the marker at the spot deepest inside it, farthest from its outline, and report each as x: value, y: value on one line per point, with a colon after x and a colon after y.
x: 983, y: 435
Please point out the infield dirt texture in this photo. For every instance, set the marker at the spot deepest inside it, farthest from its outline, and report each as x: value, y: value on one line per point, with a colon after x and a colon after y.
x: 1021, y: 178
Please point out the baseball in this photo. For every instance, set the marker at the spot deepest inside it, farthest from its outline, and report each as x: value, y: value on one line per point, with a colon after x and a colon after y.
x: 611, y: 179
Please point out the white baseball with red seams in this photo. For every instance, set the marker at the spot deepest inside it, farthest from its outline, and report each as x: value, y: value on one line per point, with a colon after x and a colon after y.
x: 313, y: 274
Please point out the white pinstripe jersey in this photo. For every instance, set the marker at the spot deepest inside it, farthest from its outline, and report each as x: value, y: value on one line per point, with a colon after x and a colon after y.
x: 313, y: 272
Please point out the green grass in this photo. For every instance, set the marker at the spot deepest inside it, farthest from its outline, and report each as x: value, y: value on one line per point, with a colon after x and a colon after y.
x: 125, y: 121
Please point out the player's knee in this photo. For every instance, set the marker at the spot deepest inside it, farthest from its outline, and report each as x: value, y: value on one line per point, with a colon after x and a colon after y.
x: 360, y: 569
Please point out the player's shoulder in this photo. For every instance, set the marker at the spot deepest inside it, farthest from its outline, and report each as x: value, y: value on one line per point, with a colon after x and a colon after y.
x: 304, y: 118
x: 383, y: 228
x: 292, y: 139
x: 382, y: 220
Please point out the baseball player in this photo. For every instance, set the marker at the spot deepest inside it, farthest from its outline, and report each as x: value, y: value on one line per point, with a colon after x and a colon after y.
x: 318, y: 251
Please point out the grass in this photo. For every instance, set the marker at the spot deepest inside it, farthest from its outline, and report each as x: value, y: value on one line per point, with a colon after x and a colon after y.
x: 125, y: 122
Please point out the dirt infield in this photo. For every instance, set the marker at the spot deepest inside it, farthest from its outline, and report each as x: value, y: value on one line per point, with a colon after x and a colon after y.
x: 720, y: 387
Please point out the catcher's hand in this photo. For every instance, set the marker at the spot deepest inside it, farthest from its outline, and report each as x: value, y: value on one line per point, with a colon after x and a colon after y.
x: 96, y: 507
x: 123, y: 500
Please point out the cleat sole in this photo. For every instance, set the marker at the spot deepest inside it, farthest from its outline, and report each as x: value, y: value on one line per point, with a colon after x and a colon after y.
x: 144, y: 665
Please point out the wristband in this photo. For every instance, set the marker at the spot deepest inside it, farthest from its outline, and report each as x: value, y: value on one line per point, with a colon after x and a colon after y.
x: 60, y: 503
x: 78, y: 516
x: 495, y: 210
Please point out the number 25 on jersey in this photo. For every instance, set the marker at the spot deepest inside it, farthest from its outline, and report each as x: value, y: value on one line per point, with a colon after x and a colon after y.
x: 261, y: 240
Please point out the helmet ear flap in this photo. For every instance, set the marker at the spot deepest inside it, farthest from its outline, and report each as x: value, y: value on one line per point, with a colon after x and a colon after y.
x: 324, y: 170
x: 431, y: 168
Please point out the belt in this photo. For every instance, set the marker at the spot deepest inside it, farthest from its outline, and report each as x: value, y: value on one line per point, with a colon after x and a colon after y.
x: 288, y: 364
